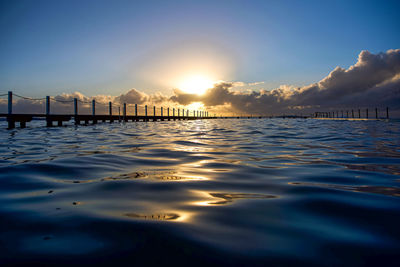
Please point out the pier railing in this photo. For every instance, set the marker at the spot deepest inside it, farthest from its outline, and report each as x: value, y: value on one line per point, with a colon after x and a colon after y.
x: 94, y: 111
x: 354, y: 114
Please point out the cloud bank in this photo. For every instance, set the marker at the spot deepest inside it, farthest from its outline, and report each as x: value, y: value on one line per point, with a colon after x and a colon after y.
x: 373, y: 81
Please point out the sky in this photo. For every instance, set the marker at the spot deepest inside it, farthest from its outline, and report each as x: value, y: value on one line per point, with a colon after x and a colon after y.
x: 110, y: 47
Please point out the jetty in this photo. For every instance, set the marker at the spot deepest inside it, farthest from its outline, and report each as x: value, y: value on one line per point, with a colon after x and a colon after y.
x: 134, y: 112
x: 140, y: 113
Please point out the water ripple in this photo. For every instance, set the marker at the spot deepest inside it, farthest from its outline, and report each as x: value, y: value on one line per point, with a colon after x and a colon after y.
x: 237, y: 192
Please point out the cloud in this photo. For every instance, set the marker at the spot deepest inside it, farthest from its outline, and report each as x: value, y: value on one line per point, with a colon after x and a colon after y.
x: 374, y: 81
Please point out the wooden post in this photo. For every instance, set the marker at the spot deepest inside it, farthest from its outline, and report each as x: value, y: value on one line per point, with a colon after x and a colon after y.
x: 352, y: 114
x: 75, y: 107
x: 154, y: 111
x: 94, y: 111
x: 49, y: 123
x: 168, y: 111
x: 76, y: 111
x: 136, y: 110
x: 366, y: 113
x: 124, y: 112
x: 47, y: 105
x: 162, y: 112
x: 387, y: 112
x: 179, y: 112
x: 110, y: 111
x: 10, y: 103
x: 145, y: 111
x: 359, y: 113
x: 347, y: 113
x: 93, y: 107
x: 173, y: 112
x: 10, y: 120
x: 376, y: 113
x: 119, y: 113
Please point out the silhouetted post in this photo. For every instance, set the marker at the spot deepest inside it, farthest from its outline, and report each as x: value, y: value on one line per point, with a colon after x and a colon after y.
x: 110, y: 111
x: 352, y: 114
x: 76, y: 111
x: 359, y: 113
x: 136, y: 110
x: 179, y: 112
x: 93, y: 107
x: 376, y: 113
x: 387, y: 113
x: 168, y: 112
x: 366, y: 113
x: 9, y: 103
x: 342, y: 114
x: 145, y: 110
x: 75, y: 107
x: 47, y: 105
x: 49, y: 123
x: 173, y: 113
x: 119, y: 114
x: 162, y: 112
x: 124, y: 112
x: 347, y: 113
x: 154, y: 111
x: 10, y: 120
x: 94, y: 111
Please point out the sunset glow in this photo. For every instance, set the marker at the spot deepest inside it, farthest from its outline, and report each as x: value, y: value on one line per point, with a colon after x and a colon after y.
x: 196, y: 84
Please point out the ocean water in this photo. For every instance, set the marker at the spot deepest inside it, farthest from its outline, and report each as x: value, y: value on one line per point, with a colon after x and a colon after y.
x: 242, y: 192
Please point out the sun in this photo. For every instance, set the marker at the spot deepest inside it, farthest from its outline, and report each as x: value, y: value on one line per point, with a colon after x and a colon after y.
x: 196, y: 84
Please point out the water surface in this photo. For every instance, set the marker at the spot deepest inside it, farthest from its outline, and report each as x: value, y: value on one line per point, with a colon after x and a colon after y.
x: 235, y: 191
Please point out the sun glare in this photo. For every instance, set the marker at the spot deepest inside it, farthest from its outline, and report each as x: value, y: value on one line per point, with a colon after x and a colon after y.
x: 196, y: 84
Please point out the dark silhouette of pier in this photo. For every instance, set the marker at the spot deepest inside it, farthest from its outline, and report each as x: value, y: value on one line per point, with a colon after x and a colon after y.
x: 147, y: 114
x: 350, y: 114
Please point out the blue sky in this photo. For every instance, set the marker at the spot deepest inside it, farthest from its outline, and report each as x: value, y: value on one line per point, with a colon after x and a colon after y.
x: 109, y: 47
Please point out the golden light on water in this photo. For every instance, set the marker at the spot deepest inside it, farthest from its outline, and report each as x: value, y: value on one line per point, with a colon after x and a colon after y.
x: 196, y: 84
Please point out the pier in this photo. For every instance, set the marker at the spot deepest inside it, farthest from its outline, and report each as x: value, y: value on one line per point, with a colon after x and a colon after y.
x: 135, y: 112
x: 350, y: 114
x: 140, y: 113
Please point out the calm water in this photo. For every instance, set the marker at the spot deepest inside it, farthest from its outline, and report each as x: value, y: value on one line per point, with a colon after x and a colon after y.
x: 239, y: 192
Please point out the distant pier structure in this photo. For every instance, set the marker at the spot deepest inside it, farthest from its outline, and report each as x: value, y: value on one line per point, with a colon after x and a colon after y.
x: 349, y: 114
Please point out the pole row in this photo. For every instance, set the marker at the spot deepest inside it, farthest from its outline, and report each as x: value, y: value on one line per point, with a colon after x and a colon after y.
x: 335, y: 114
x: 23, y: 118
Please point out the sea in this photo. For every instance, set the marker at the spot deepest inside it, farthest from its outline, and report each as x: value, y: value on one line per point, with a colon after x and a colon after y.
x: 213, y: 192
